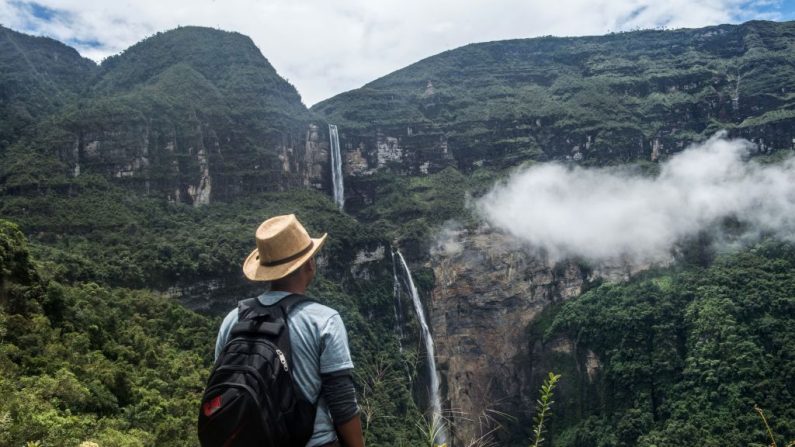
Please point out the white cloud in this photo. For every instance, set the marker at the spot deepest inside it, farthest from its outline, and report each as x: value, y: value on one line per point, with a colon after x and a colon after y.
x: 609, y: 214
x: 325, y: 48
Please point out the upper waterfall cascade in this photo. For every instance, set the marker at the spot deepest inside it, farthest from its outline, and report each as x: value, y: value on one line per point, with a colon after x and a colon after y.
x: 336, y: 166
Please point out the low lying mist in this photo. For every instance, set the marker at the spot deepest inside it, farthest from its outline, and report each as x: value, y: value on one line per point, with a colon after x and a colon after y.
x: 605, y: 214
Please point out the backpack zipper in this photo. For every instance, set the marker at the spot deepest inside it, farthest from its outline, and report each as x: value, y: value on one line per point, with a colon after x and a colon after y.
x: 282, y: 359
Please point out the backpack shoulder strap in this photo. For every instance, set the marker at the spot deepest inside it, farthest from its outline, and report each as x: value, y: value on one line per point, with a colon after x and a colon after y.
x: 289, y: 302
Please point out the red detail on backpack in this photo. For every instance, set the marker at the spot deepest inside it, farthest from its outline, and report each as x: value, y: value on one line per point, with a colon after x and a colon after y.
x: 212, y: 406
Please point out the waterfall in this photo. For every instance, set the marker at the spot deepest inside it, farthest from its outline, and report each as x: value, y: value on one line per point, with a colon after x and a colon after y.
x: 336, y: 166
x: 399, y: 323
x: 398, y: 304
x: 434, y: 397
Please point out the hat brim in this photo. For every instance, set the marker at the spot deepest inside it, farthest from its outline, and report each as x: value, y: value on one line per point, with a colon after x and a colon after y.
x: 258, y: 272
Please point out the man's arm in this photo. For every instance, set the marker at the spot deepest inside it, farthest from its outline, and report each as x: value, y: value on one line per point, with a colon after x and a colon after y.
x: 340, y: 396
x: 337, y: 387
x: 350, y: 432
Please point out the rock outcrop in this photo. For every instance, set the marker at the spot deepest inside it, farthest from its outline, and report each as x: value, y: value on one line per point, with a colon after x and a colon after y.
x: 488, y: 290
x: 194, y: 167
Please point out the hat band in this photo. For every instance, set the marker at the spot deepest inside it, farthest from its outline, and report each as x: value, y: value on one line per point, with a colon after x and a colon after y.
x: 290, y: 258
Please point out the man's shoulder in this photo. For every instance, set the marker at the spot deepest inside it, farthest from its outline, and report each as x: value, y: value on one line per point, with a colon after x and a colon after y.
x: 229, y: 319
x: 313, y: 310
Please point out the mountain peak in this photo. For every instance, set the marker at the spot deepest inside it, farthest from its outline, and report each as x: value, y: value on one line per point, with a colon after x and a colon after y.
x: 220, y: 56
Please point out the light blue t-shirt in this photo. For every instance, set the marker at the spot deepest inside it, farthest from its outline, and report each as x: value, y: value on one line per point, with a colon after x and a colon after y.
x: 320, y: 346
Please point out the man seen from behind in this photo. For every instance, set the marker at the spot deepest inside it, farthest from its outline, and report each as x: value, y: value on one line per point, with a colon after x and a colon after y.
x: 321, y: 365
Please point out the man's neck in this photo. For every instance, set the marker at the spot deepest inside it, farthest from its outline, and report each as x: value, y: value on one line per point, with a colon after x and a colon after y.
x: 291, y: 288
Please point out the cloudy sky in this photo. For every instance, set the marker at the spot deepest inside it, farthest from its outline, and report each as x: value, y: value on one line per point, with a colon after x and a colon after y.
x: 327, y: 47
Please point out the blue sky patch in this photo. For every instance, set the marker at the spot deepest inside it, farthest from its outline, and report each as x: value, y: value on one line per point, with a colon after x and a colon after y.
x: 783, y: 10
x: 84, y: 43
x: 41, y: 12
x: 35, y: 15
x: 788, y: 10
x: 38, y: 13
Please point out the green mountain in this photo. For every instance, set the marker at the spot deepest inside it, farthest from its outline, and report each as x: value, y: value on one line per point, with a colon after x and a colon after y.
x: 192, y: 114
x: 229, y: 61
x: 596, y: 100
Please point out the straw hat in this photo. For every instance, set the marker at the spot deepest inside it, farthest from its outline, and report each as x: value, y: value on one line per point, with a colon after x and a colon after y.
x: 283, y: 245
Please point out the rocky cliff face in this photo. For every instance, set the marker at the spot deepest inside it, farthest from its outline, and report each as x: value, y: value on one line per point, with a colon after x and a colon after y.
x: 404, y: 150
x: 489, y: 291
x: 195, y: 165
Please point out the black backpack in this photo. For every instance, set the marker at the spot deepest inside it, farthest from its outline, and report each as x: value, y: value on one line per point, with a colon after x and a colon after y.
x: 251, y: 398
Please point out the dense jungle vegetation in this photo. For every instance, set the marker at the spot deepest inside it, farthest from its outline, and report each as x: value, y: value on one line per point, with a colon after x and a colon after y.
x: 688, y: 352
x: 82, y: 360
x: 85, y: 362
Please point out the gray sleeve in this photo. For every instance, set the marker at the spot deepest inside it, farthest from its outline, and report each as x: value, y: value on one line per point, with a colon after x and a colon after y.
x: 340, y: 395
x: 334, y: 352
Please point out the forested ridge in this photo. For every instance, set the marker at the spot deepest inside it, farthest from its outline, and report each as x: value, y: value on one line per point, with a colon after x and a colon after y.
x: 85, y: 362
x: 602, y: 99
x: 177, y: 107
